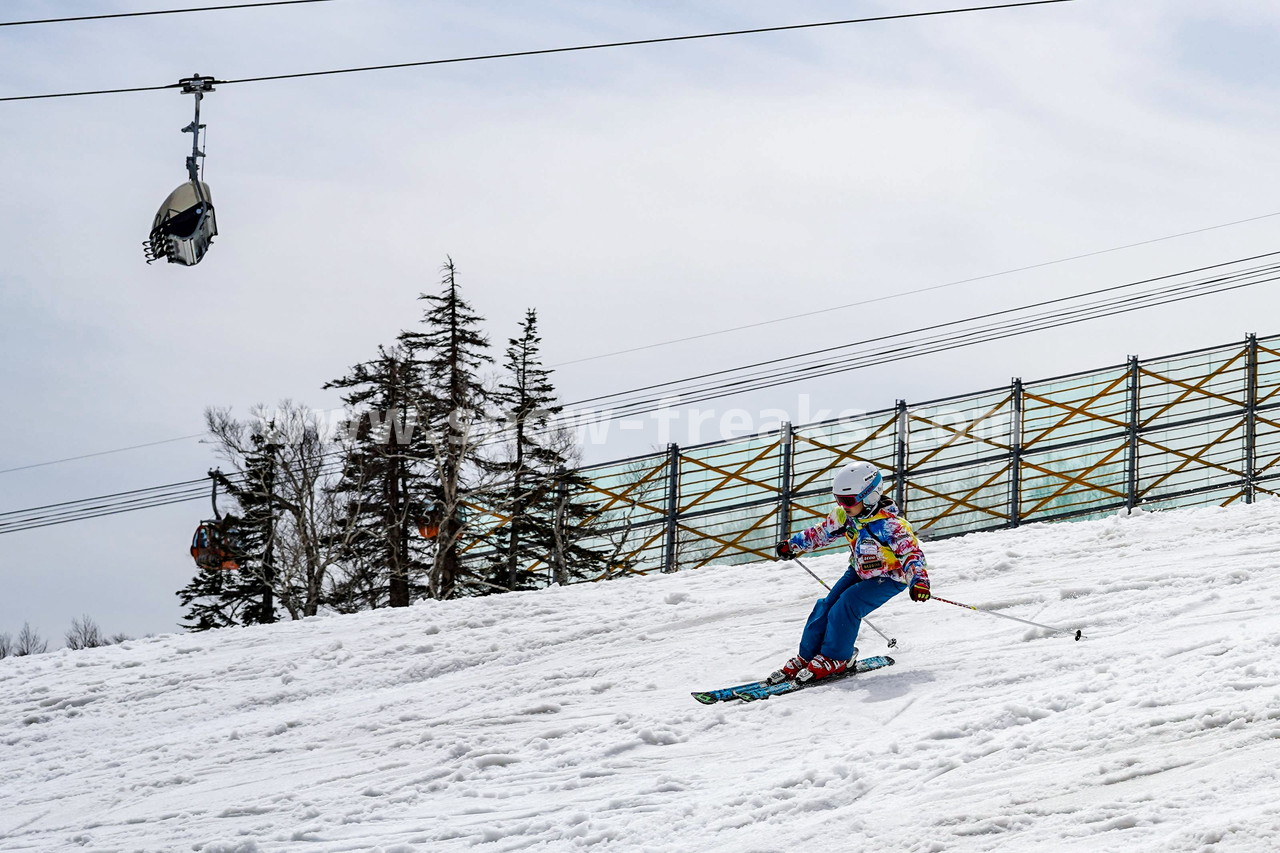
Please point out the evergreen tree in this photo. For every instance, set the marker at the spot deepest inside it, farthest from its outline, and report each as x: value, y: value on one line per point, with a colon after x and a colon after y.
x: 207, y: 605
x: 546, y: 517
x: 451, y: 409
x: 382, y: 484
x: 254, y: 583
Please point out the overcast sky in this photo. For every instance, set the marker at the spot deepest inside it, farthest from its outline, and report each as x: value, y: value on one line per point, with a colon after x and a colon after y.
x: 632, y: 196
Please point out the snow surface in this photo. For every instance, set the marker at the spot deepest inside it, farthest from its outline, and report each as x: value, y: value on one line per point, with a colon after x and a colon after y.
x: 561, y: 720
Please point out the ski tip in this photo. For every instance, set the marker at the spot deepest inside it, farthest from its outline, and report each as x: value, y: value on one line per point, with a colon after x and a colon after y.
x: 704, y: 698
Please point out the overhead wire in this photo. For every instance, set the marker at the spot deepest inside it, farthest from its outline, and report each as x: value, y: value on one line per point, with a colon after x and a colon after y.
x: 1109, y: 308
x: 689, y: 398
x: 838, y: 347
x: 648, y: 41
x: 115, y: 495
x: 826, y: 310
x: 86, y: 508
x: 104, y: 17
x: 100, y: 453
x: 554, y: 50
x: 621, y: 407
x: 98, y: 511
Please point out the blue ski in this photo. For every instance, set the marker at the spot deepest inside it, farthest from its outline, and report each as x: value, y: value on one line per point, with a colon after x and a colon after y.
x: 763, y: 689
x: 724, y: 694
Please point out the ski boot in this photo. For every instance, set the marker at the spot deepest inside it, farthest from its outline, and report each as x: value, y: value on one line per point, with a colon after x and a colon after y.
x: 821, y: 667
x: 788, y: 671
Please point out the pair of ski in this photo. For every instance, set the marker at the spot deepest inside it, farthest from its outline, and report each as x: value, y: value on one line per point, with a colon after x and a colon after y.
x: 763, y: 689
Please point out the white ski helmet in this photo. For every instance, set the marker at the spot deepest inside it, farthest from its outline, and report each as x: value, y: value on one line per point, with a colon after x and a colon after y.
x: 857, y: 482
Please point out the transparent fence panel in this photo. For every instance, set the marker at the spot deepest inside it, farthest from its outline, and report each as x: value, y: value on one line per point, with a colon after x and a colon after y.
x: 1192, y: 386
x: 1063, y: 482
x: 730, y: 474
x: 730, y: 499
x: 960, y: 430
x: 960, y: 500
x: 820, y: 448
x: 731, y: 536
x: 1190, y: 457
x: 1076, y: 407
x: 636, y: 489
x: 1268, y: 487
x: 1266, y: 449
x: 630, y: 498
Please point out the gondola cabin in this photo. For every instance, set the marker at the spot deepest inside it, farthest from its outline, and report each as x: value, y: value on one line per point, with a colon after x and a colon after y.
x: 212, y: 547
x: 184, y: 226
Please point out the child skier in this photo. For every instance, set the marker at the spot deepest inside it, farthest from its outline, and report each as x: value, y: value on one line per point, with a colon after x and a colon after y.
x: 885, y: 558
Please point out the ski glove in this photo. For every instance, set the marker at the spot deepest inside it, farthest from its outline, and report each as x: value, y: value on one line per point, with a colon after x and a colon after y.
x: 786, y: 550
x: 920, y: 586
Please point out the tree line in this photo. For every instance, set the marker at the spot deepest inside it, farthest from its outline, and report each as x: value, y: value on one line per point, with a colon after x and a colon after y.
x: 84, y: 633
x: 447, y: 479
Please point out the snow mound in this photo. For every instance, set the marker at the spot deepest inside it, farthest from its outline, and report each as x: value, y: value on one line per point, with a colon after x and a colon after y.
x: 561, y: 720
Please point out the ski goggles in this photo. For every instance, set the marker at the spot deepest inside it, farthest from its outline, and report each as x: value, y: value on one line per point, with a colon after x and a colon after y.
x: 848, y: 501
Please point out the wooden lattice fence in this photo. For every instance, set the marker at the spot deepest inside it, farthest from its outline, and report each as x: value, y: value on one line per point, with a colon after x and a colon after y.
x: 1197, y: 428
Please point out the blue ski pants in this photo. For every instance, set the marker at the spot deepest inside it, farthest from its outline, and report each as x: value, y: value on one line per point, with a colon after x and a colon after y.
x: 832, y: 628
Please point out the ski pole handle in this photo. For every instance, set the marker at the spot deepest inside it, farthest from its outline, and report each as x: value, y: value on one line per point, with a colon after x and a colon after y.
x: 1007, y: 616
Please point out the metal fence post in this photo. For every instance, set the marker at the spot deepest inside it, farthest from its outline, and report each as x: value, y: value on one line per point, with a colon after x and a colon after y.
x: 1131, y: 480
x: 900, y: 458
x: 1250, y: 418
x: 784, y: 491
x: 1015, y: 456
x: 669, y: 563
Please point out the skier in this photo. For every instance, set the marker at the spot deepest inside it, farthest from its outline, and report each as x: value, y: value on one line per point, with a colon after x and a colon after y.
x: 885, y: 557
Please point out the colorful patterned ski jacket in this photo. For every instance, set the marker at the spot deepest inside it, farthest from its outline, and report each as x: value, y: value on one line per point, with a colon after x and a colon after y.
x: 881, y: 544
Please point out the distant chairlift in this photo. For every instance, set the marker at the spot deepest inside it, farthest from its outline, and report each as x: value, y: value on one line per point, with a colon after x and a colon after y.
x: 428, y: 520
x: 185, y: 226
x: 216, y: 543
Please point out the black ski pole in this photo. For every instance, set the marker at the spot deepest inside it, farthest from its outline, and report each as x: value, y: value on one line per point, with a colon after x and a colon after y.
x: 1078, y: 633
x: 893, y: 643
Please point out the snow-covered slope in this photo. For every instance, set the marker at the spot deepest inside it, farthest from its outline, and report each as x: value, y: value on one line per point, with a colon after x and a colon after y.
x: 561, y: 720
